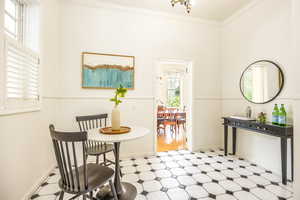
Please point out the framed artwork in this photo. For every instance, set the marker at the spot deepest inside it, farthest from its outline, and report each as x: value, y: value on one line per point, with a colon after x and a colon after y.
x: 107, y: 71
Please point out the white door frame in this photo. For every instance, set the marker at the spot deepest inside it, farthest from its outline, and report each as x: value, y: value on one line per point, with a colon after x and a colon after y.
x: 189, y: 65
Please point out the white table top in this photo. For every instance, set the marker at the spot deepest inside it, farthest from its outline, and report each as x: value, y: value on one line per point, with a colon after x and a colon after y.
x: 136, y: 132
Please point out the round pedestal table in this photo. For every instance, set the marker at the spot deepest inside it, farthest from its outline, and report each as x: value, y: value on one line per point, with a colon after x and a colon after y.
x: 125, y: 191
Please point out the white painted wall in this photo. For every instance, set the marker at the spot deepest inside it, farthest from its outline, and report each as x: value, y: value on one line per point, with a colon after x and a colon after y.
x: 25, y: 145
x: 296, y: 89
x: 26, y: 151
x: 96, y: 27
x: 1, y: 55
x: 261, y: 32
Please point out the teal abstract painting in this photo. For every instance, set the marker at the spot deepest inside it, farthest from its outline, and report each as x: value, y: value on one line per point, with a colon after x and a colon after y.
x: 107, y: 71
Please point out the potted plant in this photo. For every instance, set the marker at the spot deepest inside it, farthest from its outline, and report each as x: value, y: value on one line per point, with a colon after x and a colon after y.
x: 115, y: 115
x: 262, y: 117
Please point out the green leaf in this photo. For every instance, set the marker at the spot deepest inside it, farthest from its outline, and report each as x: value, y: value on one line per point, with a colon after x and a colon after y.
x: 118, y: 102
x: 120, y: 92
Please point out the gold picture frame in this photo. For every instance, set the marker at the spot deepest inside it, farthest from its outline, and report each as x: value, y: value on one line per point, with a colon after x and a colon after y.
x: 96, y: 68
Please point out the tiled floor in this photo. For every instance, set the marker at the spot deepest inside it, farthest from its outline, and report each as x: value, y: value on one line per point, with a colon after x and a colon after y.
x: 184, y: 175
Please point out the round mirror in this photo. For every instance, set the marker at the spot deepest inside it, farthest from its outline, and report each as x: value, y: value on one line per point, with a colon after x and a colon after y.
x: 261, y: 82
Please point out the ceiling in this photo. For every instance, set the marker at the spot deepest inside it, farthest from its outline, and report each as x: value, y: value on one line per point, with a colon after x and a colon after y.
x: 206, y: 9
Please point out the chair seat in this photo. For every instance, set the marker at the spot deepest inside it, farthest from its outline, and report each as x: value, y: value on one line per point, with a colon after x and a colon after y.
x: 170, y: 120
x: 99, y: 149
x: 160, y: 121
x: 96, y: 176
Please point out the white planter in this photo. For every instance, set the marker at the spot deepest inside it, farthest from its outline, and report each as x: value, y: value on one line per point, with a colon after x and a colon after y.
x: 115, y: 118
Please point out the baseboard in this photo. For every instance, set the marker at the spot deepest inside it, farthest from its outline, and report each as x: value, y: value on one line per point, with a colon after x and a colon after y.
x: 37, y: 184
x: 206, y: 147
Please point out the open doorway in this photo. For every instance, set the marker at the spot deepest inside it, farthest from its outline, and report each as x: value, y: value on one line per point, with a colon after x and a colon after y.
x: 173, y: 109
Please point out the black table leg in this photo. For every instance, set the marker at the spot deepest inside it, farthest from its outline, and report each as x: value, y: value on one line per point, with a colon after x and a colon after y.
x: 233, y: 140
x: 284, y: 160
x: 117, y: 181
x: 292, y: 157
x: 225, y: 140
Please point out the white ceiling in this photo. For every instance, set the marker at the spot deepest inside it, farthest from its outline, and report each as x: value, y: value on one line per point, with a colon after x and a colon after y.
x: 205, y: 9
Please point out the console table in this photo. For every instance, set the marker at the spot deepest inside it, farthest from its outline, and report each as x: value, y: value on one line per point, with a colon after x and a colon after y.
x: 283, y: 132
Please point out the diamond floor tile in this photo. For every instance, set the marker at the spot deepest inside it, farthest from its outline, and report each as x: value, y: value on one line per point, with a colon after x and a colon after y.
x: 169, y: 182
x: 196, y: 191
x: 184, y: 175
x: 178, y: 194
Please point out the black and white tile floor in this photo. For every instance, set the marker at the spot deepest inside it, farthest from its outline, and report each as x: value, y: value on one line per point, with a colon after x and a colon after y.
x: 184, y: 175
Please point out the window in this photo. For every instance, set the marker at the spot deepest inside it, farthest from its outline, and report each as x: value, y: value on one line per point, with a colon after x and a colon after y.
x: 13, y: 19
x: 173, y: 90
x: 21, y: 72
x: 21, y: 55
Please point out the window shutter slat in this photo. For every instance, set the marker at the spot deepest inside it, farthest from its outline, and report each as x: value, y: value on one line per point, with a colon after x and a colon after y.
x: 22, y: 72
x: 11, y: 75
x: 14, y: 62
x: 14, y: 72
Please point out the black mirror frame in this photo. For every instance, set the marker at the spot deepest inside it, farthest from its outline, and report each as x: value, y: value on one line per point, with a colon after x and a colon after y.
x: 279, y: 91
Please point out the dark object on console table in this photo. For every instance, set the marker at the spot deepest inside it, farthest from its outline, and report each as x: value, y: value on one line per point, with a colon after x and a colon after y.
x: 284, y: 132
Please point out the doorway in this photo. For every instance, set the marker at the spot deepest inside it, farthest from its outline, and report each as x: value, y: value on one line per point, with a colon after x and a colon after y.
x: 173, y: 105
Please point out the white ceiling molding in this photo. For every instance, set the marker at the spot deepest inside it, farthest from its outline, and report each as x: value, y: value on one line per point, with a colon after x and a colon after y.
x: 216, y: 10
x: 112, y: 6
x: 241, y: 11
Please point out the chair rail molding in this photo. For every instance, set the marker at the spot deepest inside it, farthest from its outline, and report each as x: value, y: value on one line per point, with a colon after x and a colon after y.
x: 205, y: 98
x: 96, y: 97
x: 242, y: 99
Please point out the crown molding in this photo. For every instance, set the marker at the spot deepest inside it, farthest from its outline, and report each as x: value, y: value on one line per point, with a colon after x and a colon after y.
x: 241, y: 12
x: 143, y: 11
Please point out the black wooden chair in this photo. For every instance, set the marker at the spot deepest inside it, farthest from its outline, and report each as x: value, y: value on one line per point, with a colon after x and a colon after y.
x: 181, y: 120
x: 75, y: 179
x: 160, y: 123
x: 96, y: 148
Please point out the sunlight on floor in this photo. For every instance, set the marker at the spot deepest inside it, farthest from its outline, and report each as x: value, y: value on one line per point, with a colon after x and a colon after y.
x: 170, y: 140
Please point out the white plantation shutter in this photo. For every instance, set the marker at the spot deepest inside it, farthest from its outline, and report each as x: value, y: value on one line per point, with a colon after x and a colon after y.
x: 20, y: 76
x: 22, y: 73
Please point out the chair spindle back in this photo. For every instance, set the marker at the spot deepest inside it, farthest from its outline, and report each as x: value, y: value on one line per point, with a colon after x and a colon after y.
x: 181, y: 115
x: 65, y: 144
x: 91, y: 122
